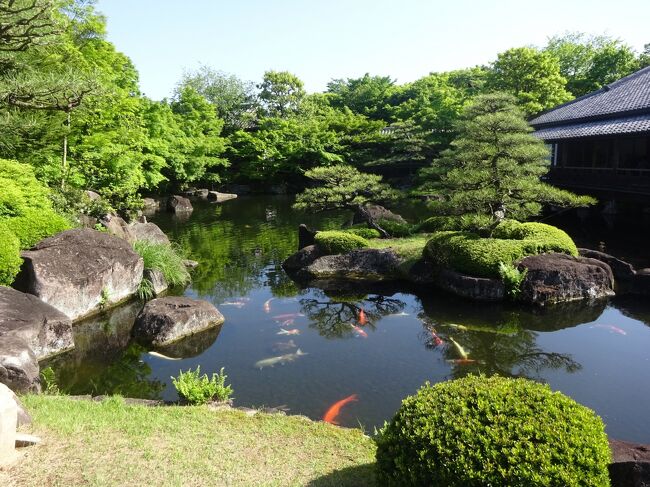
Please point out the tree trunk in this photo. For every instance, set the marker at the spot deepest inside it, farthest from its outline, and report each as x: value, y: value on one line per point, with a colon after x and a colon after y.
x: 371, y: 221
x: 64, y: 166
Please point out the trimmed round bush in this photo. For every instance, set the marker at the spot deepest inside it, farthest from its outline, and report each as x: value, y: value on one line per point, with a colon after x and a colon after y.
x: 542, y: 237
x: 33, y: 225
x: 395, y: 229
x: 10, y: 260
x: 339, y: 242
x: 363, y: 232
x: 492, y: 431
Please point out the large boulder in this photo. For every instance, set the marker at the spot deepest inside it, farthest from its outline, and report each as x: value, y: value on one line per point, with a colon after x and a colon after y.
x: 179, y: 205
x: 363, y: 265
x: 478, y: 288
x: 147, y: 231
x: 220, y: 197
x: 45, y: 329
x: 18, y: 365
x: 81, y: 272
x: 165, y: 320
x: 622, y: 270
x: 306, y: 236
x: 301, y: 259
x: 630, y: 465
x: 377, y: 212
x: 116, y: 225
x: 554, y: 278
x: 157, y: 280
x: 150, y: 205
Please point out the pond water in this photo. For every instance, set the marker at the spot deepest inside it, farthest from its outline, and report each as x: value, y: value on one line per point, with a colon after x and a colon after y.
x: 379, y: 345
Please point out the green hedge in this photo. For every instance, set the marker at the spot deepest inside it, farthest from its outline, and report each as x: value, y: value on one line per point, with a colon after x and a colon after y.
x: 545, y: 238
x: 10, y: 260
x: 363, y: 232
x: 338, y: 242
x: 492, y: 431
x: 34, y: 225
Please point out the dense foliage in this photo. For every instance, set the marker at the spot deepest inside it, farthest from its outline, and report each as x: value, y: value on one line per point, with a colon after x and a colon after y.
x: 492, y: 431
x: 334, y: 242
x: 471, y: 254
x: 199, y: 389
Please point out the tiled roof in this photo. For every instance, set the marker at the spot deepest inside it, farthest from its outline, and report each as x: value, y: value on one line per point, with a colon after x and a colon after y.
x: 627, y: 96
x: 624, y: 125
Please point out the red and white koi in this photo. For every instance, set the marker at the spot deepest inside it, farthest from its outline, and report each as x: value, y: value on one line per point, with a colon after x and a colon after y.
x: 335, y: 409
x: 612, y: 328
x: 293, y: 331
x: 362, y: 317
x: 436, y: 339
x: 267, y: 305
x: 359, y: 331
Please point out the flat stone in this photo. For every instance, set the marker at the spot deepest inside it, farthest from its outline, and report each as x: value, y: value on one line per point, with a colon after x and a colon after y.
x: 46, y: 330
x: 179, y: 204
x: 220, y: 197
x: 478, y: 288
x: 363, y: 265
x: 377, y: 212
x: 302, y: 259
x: 165, y: 320
x: 81, y: 272
x: 622, y: 270
x: 23, y: 440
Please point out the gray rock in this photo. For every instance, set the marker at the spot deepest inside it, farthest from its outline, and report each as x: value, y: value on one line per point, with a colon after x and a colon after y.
x: 301, y: 259
x: 190, y: 346
x: 87, y: 221
x: 478, y: 288
x: 201, y: 193
x: 150, y: 204
x: 93, y: 195
x: 306, y: 236
x: 364, y: 265
x: 157, y: 279
x: 377, y: 212
x: 18, y: 365
x: 81, y: 272
x: 621, y: 269
x: 179, y: 204
x: 190, y: 264
x: 149, y: 232
x: 165, y: 320
x: 46, y: 330
x: 555, y: 278
x: 630, y: 465
x: 220, y: 197
x: 115, y: 225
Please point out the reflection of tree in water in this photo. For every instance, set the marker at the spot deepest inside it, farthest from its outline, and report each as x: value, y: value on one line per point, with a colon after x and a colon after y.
x: 505, y: 350
x: 127, y: 376
x: 335, y: 315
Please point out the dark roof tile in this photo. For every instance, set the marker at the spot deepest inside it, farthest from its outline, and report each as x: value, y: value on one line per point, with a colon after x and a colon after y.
x: 624, y: 125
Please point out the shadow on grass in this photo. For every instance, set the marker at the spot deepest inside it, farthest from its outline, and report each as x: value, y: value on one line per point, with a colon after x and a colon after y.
x: 358, y: 476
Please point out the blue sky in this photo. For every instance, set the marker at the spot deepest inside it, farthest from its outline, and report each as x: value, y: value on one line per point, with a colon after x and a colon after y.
x: 320, y: 40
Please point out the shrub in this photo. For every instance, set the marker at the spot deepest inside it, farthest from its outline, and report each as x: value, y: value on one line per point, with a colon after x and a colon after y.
x: 512, y: 279
x: 33, y: 225
x: 20, y: 189
x: 199, y: 389
x: 492, y: 431
x: 473, y: 223
x: 540, y: 237
x: 362, y: 232
x: 339, y: 242
x: 470, y: 254
x: 395, y: 229
x: 164, y: 258
x: 10, y: 260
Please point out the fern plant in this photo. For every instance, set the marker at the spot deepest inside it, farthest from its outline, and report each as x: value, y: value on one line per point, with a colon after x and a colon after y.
x: 512, y: 278
x: 199, y: 389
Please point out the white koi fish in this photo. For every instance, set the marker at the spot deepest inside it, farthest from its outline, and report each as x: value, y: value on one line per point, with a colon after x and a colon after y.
x: 461, y: 351
x: 293, y: 331
x: 267, y: 305
x: 164, y: 357
x: 281, y: 359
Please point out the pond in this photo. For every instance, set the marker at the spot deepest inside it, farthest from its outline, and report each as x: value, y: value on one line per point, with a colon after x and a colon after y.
x: 377, y: 345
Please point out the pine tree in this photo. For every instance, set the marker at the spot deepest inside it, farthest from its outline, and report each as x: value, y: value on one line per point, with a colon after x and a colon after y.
x: 493, y: 169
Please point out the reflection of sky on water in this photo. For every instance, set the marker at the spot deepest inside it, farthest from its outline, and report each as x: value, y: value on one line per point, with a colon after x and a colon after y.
x: 571, y: 347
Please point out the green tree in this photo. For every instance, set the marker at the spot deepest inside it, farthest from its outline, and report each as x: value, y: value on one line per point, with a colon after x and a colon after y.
x: 532, y: 76
x: 644, y: 57
x: 344, y: 187
x: 281, y: 93
x: 493, y: 168
x: 591, y: 62
x: 368, y: 95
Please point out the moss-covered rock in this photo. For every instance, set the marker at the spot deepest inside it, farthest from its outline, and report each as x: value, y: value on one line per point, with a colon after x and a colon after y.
x: 339, y: 242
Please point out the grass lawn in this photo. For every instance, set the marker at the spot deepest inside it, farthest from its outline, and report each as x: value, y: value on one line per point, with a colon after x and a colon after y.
x: 110, y: 443
x: 408, y: 248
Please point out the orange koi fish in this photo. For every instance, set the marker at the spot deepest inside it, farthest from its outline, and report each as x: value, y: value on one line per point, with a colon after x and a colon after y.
x: 267, y: 305
x: 362, y: 317
x: 436, y: 339
x: 359, y: 331
x: 335, y: 409
x: 293, y: 331
x: 612, y: 328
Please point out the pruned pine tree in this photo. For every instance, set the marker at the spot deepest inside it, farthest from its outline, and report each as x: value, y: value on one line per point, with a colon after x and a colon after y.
x: 492, y: 170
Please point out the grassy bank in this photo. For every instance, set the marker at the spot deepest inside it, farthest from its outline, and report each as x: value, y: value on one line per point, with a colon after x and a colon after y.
x: 408, y: 248
x: 110, y: 443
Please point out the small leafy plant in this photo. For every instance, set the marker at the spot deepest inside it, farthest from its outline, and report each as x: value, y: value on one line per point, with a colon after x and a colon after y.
x: 512, y: 278
x: 199, y: 389
x: 48, y: 382
x: 103, y: 298
x: 146, y: 290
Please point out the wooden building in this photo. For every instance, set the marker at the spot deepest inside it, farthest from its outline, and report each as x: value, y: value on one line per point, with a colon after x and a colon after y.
x: 601, y: 141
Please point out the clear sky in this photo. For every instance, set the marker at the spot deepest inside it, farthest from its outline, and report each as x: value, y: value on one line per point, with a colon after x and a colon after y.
x: 319, y: 40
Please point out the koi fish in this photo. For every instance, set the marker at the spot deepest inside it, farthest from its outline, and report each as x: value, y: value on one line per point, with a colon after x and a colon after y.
x: 335, y: 409
x: 240, y: 303
x: 436, y: 339
x: 611, y: 328
x: 164, y: 357
x: 359, y: 331
x: 287, y: 323
x: 284, y: 346
x: 362, y: 317
x: 460, y: 350
x: 400, y: 314
x: 462, y: 361
x: 293, y: 331
x: 458, y: 327
x: 267, y: 305
x: 288, y: 316
x: 281, y: 359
